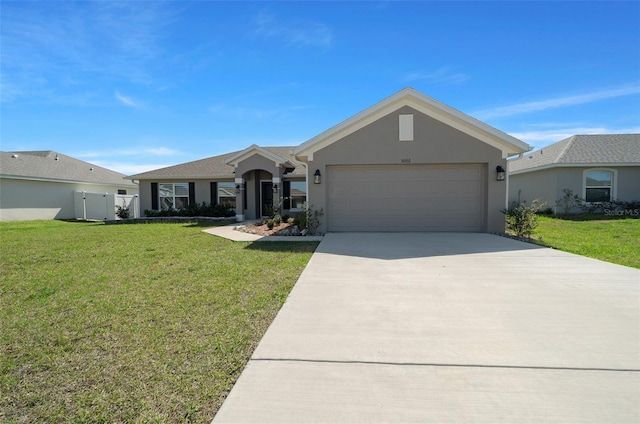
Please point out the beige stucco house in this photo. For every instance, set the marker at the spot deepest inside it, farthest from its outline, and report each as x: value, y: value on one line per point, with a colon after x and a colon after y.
x: 598, y: 168
x: 43, y: 185
x: 407, y: 163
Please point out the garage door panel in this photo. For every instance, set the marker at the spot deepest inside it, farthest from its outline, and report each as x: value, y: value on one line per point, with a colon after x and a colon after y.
x: 406, y: 198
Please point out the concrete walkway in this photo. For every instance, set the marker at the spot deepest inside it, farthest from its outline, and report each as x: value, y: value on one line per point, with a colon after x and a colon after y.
x: 229, y: 232
x: 437, y: 327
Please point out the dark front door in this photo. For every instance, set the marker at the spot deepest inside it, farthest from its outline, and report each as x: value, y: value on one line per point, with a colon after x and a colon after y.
x: 266, y: 198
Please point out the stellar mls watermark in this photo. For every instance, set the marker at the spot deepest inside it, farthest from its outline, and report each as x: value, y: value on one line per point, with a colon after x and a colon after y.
x: 620, y: 212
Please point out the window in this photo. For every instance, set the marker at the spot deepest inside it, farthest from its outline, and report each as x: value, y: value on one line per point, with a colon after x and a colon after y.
x: 173, y: 195
x: 598, y: 186
x: 298, y: 194
x: 227, y: 194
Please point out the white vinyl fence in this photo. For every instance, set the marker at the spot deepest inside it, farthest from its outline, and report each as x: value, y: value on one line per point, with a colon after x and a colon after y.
x: 104, y: 206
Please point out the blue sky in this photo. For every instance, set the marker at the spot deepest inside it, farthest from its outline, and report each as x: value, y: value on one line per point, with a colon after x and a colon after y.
x: 135, y: 86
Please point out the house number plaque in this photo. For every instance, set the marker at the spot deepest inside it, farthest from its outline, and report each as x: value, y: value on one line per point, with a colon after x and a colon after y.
x: 405, y: 160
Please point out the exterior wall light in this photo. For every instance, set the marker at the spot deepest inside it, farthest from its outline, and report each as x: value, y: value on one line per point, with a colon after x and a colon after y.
x: 500, y: 173
x: 237, y: 188
x: 317, y: 177
x: 275, y: 188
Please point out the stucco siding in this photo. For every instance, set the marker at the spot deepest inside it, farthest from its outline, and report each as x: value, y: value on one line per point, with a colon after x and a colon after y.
x: 434, y: 143
x: 548, y: 185
x: 30, y: 200
x: 629, y: 183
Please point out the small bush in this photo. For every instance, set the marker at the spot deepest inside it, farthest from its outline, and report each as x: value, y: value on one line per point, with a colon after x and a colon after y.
x: 123, y: 211
x: 291, y: 220
x: 309, y: 219
x: 569, y: 201
x: 523, y: 219
x: 277, y: 220
x: 270, y: 224
x: 199, y: 209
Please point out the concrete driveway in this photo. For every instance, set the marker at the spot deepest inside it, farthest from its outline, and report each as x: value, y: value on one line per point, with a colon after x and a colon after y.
x: 440, y: 327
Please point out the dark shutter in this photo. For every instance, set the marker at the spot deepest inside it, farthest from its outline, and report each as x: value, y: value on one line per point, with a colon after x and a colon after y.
x: 192, y: 194
x: 286, y: 192
x: 214, y: 193
x: 154, y: 196
x: 244, y: 195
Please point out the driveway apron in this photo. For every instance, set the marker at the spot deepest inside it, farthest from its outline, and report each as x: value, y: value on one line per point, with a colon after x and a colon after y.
x: 447, y: 327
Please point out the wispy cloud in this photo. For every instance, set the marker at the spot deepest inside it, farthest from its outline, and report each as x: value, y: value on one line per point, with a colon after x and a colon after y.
x: 161, y: 151
x: 126, y: 100
x: 441, y: 76
x: 240, y: 112
x: 130, y: 152
x: 48, y: 45
x: 556, y: 102
x: 296, y: 32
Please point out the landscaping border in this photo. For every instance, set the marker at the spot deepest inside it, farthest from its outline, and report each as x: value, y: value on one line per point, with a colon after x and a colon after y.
x: 171, y: 220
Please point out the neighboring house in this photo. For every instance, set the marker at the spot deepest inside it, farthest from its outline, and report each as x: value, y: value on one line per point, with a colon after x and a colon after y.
x: 42, y: 185
x: 597, y: 168
x: 407, y: 163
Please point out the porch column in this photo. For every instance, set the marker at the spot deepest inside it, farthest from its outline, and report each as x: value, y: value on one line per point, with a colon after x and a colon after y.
x: 276, y: 181
x: 239, y: 199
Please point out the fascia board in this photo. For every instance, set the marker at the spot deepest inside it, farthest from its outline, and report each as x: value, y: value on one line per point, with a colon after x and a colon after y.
x: 253, y: 149
x: 575, y: 165
x: 186, y: 177
x: 54, y: 180
x: 507, y: 144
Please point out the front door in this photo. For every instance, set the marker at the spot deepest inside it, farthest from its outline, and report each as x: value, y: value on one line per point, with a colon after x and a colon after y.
x: 266, y: 196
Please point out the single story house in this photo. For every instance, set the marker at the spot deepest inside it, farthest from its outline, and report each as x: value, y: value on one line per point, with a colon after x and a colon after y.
x: 44, y: 184
x: 407, y: 163
x: 597, y: 168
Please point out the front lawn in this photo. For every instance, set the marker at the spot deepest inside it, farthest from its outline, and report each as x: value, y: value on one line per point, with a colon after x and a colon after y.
x: 131, y: 323
x: 611, y: 240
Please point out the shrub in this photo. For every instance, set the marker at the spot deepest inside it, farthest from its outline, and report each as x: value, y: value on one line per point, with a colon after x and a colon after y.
x: 123, y: 211
x: 569, y: 201
x: 523, y: 219
x: 309, y: 219
x: 270, y: 223
x: 198, y: 209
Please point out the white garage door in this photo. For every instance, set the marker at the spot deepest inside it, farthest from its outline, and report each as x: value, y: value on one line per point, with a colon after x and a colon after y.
x: 406, y: 198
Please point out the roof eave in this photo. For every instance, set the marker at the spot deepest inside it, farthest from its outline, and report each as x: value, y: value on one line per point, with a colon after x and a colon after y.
x: 575, y: 165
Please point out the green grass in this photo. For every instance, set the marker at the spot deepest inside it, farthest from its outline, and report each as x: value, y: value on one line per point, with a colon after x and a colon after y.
x: 611, y: 240
x: 131, y: 323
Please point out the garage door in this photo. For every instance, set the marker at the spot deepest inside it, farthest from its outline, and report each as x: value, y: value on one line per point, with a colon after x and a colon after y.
x: 406, y: 198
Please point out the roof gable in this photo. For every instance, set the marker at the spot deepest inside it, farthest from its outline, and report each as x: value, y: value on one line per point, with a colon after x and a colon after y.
x: 409, y: 97
x: 48, y: 165
x: 255, y: 149
x: 583, y: 150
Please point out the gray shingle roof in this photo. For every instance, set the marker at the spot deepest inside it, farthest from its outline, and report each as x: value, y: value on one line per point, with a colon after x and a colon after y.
x: 212, y: 167
x: 597, y: 149
x: 50, y: 165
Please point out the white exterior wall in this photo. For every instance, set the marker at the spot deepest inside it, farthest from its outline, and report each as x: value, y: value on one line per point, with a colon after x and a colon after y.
x: 24, y: 200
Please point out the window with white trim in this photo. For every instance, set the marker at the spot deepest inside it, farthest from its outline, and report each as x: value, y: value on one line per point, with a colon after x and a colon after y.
x: 173, y: 195
x: 598, y: 186
x: 227, y: 194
